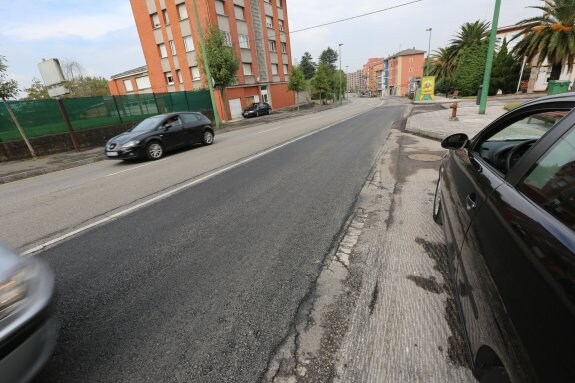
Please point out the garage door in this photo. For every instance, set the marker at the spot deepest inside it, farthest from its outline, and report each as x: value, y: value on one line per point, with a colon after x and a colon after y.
x: 236, y: 108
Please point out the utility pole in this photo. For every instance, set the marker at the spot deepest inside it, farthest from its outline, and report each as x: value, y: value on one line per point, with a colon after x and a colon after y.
x: 428, y: 51
x: 489, y: 63
x: 207, y: 66
x: 340, y: 76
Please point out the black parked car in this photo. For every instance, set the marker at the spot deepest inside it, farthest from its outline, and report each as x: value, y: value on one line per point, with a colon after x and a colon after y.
x: 156, y: 135
x: 507, y: 202
x: 257, y: 109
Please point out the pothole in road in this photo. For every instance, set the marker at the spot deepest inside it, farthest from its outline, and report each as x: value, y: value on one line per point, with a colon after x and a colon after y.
x: 424, y: 157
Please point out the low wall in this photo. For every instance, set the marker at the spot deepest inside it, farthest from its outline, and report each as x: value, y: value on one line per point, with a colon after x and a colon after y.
x: 57, y: 143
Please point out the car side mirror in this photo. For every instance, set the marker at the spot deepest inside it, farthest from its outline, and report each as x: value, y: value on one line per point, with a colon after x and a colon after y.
x: 455, y: 141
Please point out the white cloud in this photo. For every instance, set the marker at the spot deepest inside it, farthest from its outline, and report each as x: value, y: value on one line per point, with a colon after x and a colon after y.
x: 81, y: 26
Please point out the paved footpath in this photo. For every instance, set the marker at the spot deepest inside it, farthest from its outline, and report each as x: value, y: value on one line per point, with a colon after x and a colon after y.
x: 436, y: 124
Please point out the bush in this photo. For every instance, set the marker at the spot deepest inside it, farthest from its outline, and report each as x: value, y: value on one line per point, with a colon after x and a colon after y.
x: 470, y: 69
x: 443, y: 84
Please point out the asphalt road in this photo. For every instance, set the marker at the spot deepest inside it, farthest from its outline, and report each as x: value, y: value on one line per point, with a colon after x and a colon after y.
x: 204, y: 285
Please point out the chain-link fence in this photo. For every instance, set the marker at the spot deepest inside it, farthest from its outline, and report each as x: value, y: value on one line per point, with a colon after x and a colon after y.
x: 43, y: 117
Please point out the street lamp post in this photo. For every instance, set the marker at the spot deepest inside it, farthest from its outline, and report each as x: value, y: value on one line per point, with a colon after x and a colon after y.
x: 428, y: 51
x: 339, y: 96
x: 489, y: 63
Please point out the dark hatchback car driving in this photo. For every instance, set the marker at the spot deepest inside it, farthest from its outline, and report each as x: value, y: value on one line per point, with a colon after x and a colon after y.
x: 257, y: 109
x: 159, y: 134
x: 506, y: 199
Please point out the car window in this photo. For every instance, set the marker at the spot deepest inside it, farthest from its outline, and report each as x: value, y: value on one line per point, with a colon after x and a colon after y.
x: 505, y: 146
x: 551, y: 182
x: 147, y: 124
x: 189, y: 117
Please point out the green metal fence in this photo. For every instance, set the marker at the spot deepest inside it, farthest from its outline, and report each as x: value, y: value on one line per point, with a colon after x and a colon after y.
x: 43, y: 118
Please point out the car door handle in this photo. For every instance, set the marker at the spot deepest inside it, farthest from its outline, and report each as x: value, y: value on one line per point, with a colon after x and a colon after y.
x: 470, y: 202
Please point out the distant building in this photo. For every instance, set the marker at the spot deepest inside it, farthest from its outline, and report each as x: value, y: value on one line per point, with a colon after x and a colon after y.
x: 369, y: 80
x: 354, y: 81
x: 256, y: 30
x: 133, y: 81
x: 402, y: 68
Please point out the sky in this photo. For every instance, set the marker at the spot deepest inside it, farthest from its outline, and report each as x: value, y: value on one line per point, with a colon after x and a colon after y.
x: 101, y: 35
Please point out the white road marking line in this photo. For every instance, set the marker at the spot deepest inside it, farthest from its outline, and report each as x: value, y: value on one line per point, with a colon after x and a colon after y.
x: 269, y: 130
x: 135, y: 167
x: 179, y: 188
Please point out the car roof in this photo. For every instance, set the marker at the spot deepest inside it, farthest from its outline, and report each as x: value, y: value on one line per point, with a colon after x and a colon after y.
x: 567, y: 97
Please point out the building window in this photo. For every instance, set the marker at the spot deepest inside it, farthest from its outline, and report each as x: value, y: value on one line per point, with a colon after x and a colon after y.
x: 244, y: 41
x: 269, y: 22
x: 169, y: 78
x: 155, y: 20
x: 163, y: 50
x: 182, y: 11
x: 284, y: 47
x: 281, y: 24
x: 220, y: 9
x: 195, y: 73
x: 274, y: 68
x: 188, y: 43
x: 227, y: 38
x: 279, y: 3
x: 173, y: 47
x: 272, y: 44
x: 411, y: 59
x: 239, y: 12
x: 247, y: 69
x: 286, y: 69
x: 179, y: 74
x: 410, y: 70
x: 128, y: 85
x: 143, y: 82
x: 166, y: 18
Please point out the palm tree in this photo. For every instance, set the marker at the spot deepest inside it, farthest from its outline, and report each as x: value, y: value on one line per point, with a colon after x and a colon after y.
x: 469, y: 35
x: 550, y: 36
x: 442, y: 63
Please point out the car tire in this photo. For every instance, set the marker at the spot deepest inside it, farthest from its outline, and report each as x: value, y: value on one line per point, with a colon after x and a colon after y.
x: 257, y: 113
x: 437, y: 206
x: 207, y: 137
x: 495, y: 375
x: 154, y: 150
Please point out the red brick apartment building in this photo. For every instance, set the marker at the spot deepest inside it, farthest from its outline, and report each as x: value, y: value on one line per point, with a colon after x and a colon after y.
x: 256, y: 29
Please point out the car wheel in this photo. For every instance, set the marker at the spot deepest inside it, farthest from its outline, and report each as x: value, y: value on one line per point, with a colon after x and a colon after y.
x: 208, y: 138
x: 268, y: 112
x: 154, y: 150
x: 495, y: 375
x: 257, y: 113
x: 437, y: 208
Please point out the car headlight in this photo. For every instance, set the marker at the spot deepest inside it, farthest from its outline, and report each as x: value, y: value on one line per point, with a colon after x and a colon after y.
x: 130, y: 144
x: 13, y: 291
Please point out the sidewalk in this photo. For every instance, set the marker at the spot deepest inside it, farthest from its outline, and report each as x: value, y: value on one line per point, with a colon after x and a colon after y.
x: 436, y: 124
x: 20, y: 169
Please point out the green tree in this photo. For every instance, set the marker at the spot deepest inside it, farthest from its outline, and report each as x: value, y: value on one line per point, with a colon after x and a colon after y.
x: 297, y: 82
x: 86, y: 86
x: 329, y: 58
x: 469, y: 73
x: 320, y: 81
x: 307, y: 66
x: 339, y: 78
x: 505, y: 72
x: 9, y: 89
x: 552, y: 37
x: 441, y: 64
x: 222, y: 61
x: 37, y: 91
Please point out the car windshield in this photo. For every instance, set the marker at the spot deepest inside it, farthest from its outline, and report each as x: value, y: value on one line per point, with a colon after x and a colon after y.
x: 148, y: 124
x: 254, y: 105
